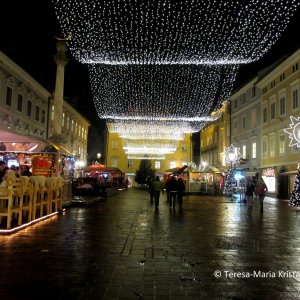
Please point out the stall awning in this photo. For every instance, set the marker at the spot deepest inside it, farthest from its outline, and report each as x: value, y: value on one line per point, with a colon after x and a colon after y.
x: 55, y: 147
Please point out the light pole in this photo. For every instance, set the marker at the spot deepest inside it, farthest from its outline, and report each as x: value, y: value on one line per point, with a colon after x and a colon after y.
x: 232, y: 157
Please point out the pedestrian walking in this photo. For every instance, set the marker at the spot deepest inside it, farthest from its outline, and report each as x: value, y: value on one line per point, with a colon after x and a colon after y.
x: 180, y: 191
x: 261, y: 192
x: 151, y: 190
x: 249, y: 194
x: 173, y: 191
x: 168, y: 186
x: 157, y: 187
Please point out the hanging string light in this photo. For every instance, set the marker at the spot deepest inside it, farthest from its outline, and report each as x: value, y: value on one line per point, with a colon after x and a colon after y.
x: 172, y: 32
x: 180, y: 93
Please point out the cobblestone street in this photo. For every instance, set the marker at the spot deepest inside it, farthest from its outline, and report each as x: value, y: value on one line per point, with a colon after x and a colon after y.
x: 121, y: 248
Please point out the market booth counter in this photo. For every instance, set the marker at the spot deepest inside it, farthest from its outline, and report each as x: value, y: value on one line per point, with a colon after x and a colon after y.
x: 47, y: 189
x: 208, y: 181
x: 97, y: 177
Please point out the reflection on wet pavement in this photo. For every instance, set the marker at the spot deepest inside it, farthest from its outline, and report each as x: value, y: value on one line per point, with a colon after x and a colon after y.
x: 123, y: 249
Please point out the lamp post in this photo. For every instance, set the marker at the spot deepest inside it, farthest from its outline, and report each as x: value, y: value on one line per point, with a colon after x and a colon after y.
x: 232, y: 157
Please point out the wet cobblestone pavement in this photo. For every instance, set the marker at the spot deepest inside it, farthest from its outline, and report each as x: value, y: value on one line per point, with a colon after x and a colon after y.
x: 122, y: 249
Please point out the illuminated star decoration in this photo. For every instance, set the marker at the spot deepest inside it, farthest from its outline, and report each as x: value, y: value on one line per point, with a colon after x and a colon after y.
x: 294, y: 132
x: 232, y: 155
x: 172, y: 31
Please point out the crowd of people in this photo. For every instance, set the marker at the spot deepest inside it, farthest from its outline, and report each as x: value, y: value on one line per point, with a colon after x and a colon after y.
x: 19, y: 171
x: 174, y: 187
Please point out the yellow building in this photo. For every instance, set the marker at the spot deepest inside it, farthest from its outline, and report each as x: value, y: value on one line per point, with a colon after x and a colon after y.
x: 116, y: 156
x: 279, y: 100
x: 214, y: 138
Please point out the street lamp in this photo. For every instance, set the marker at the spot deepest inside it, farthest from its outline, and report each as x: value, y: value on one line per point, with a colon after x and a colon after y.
x: 232, y: 157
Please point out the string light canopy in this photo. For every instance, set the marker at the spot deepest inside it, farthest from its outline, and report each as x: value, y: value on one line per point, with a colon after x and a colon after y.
x: 149, y: 129
x: 159, y: 147
x: 172, y: 31
x: 294, y: 132
x: 160, y: 93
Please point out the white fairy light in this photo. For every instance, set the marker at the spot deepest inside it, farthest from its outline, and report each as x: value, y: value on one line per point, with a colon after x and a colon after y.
x: 142, y: 156
x: 294, y: 132
x: 172, y: 32
x: 160, y: 93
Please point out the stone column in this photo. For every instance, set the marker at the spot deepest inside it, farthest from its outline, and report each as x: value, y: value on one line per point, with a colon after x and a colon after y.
x: 61, y: 60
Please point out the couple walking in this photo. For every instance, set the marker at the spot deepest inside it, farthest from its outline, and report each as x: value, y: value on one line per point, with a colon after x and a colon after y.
x: 175, y: 189
x: 260, y: 190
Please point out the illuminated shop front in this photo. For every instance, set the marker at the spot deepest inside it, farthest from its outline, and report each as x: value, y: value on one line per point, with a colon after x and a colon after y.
x: 269, y: 177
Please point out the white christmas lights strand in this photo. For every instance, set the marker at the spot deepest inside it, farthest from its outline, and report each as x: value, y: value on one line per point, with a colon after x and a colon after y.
x: 172, y: 31
x: 181, y: 93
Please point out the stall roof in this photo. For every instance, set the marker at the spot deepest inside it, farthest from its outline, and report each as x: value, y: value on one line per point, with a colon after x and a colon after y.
x: 177, y: 170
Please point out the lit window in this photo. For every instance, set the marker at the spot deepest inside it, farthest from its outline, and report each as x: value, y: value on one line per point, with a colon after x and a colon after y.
x: 253, y: 150
x: 157, y: 164
x: 281, y: 144
x: 172, y: 164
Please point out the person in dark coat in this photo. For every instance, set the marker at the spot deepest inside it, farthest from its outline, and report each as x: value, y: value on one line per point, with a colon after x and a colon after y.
x: 249, y: 194
x: 180, y: 191
x: 173, y: 191
x: 3, y: 169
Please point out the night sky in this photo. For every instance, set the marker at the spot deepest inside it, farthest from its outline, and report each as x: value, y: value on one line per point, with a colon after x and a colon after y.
x: 27, y: 37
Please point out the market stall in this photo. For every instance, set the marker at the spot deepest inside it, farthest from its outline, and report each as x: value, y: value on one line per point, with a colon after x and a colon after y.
x: 108, y: 176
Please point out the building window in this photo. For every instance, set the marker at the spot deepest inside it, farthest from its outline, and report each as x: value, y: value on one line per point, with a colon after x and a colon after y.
x: 68, y: 122
x: 253, y: 91
x: 282, y: 106
x: 79, y: 130
x: 295, y: 67
x: 244, y: 152
x: 20, y: 103
x: 272, y: 146
x: 172, y: 164
x: 295, y: 99
x: 244, y: 122
x: 114, y: 162
x: 281, y: 144
x: 265, y: 115
x: 157, y: 165
x: 265, y: 148
x: 272, y: 114
x: 129, y: 164
x: 29, y: 106
x: 234, y: 103
x: 37, y: 113
x: 184, y: 147
x: 253, y: 118
x: 254, y: 150
x: 43, y: 116
x: 273, y: 84
x: 72, y: 125
x: 114, y: 144
x: 8, y: 96
x: 63, y: 120
x: 243, y: 99
x: 265, y: 89
x: 52, y: 113
x: 282, y: 76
